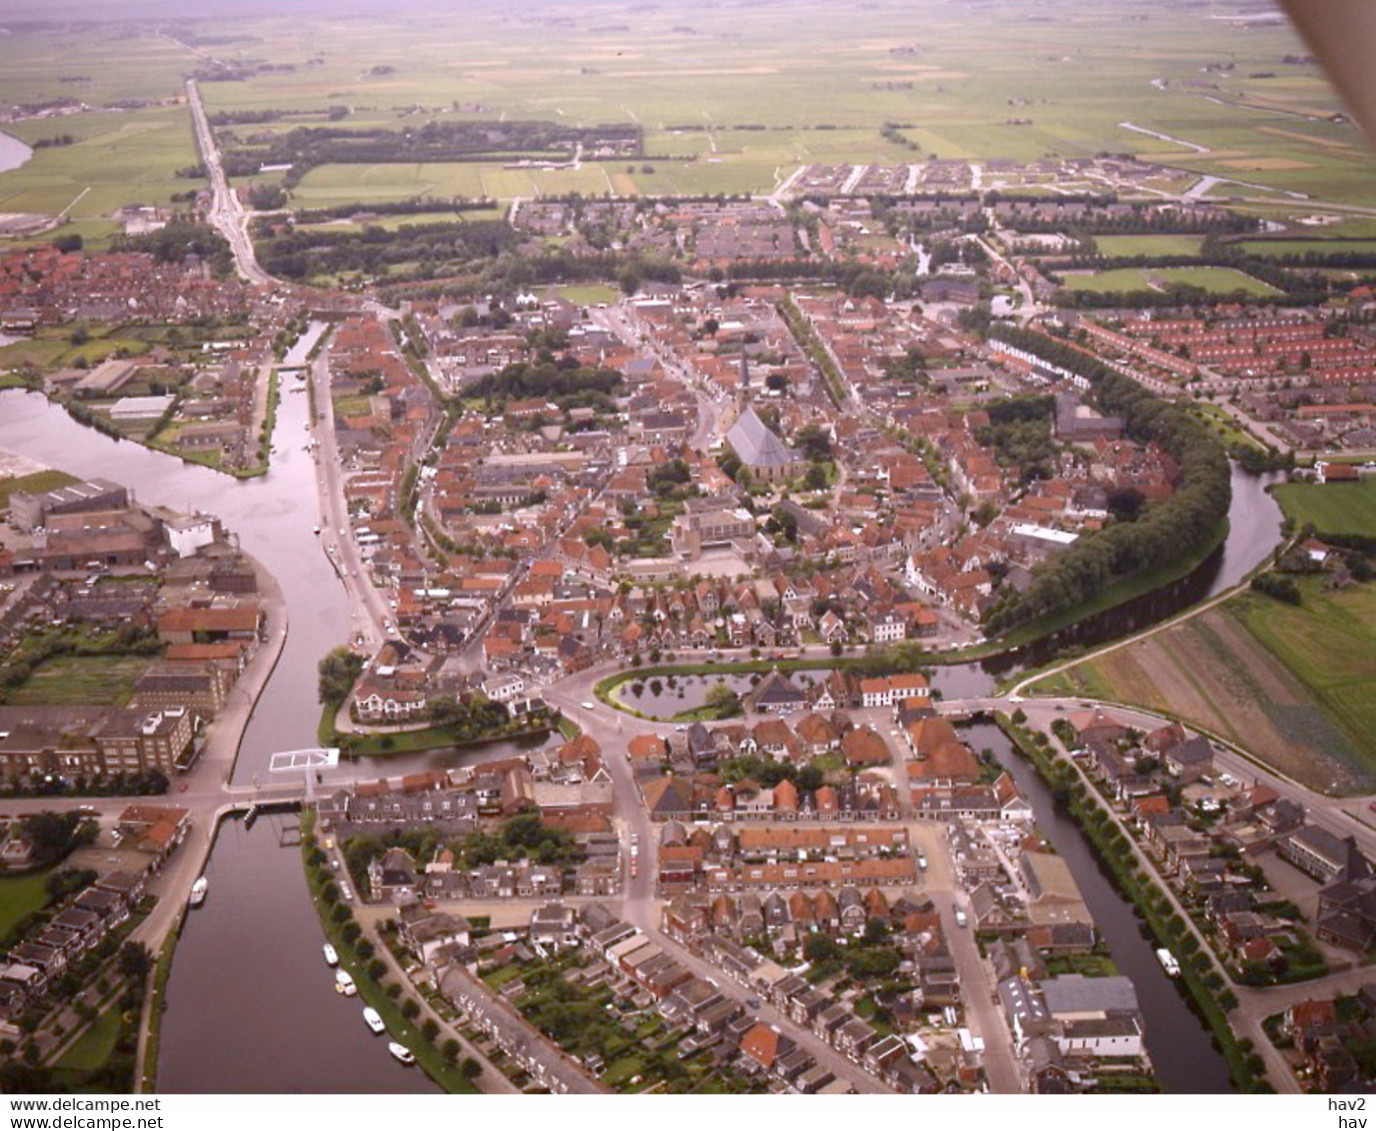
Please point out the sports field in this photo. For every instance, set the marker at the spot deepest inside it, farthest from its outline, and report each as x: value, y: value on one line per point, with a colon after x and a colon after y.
x: 1293, y: 685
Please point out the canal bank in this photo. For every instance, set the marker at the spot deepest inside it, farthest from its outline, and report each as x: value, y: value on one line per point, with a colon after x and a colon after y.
x: 1181, y: 1045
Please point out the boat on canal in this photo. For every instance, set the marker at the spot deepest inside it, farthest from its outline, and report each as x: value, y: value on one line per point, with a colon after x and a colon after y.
x: 344, y: 983
x: 373, y: 1019
x: 198, y: 891
x: 331, y: 956
x: 1169, y: 963
x: 401, y: 1052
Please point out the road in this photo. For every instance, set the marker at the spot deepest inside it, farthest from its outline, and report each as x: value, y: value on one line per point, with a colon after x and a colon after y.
x: 370, y: 614
x: 226, y: 215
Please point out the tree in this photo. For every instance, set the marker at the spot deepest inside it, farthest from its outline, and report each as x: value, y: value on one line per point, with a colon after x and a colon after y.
x: 819, y: 948
x: 814, y: 442
x: 470, y: 1069
x: 410, y: 1009
x: 338, y: 671
x: 134, y: 961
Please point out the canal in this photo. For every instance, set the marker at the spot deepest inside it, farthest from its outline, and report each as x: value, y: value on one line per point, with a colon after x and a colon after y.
x: 251, y: 1005
x: 1180, y: 1044
x: 1254, y: 531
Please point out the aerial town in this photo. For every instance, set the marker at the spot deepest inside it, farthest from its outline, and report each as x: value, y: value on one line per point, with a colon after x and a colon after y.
x: 830, y: 638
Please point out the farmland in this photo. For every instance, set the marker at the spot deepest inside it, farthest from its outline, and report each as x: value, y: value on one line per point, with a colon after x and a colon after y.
x: 728, y: 100
x: 1215, y: 280
x: 1294, y: 685
x: 1331, y: 508
x: 81, y: 680
x: 1148, y: 245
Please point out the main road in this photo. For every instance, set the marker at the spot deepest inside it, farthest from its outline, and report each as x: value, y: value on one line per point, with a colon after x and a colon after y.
x: 227, y: 215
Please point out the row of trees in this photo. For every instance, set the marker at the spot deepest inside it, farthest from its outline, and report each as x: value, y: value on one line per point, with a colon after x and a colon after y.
x: 308, y: 146
x: 427, y: 250
x: 1164, y: 534
x: 564, y: 381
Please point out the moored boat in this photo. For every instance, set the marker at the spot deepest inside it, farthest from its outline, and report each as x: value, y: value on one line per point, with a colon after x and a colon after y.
x: 198, y: 891
x: 1169, y: 963
x: 344, y: 984
x: 331, y: 956
x: 373, y: 1019
x: 401, y: 1052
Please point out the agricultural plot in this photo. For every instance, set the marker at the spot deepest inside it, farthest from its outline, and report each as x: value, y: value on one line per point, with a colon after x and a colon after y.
x: 1306, y: 247
x: 1293, y: 685
x: 1332, y: 508
x: 115, y: 159
x: 1148, y: 245
x: 76, y: 680
x: 730, y: 99
x: 1215, y: 280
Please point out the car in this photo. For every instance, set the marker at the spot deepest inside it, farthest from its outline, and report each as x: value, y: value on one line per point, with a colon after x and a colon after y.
x: 753, y: 1002
x: 588, y: 705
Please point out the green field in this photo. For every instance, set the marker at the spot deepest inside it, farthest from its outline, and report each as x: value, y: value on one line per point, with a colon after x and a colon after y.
x: 1148, y: 245
x: 1215, y: 280
x: 76, y: 680
x: 589, y: 295
x: 1295, y: 686
x: 1306, y: 247
x: 1332, y: 508
x: 21, y: 896
x: 1224, y: 427
x: 93, y: 1048
x: 813, y: 82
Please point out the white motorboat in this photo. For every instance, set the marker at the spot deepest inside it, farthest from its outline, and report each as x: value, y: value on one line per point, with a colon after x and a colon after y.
x: 1169, y: 963
x: 401, y: 1052
x: 344, y: 983
x: 373, y: 1019
x: 331, y: 956
x: 198, y: 891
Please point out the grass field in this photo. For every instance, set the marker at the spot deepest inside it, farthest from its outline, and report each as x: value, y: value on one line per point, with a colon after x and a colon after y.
x: 21, y: 896
x: 1224, y: 427
x: 1333, y: 508
x: 73, y: 680
x: 93, y: 1048
x: 1305, y: 247
x: 1295, y: 686
x: 1215, y: 280
x: 589, y: 295
x: 1148, y: 245
x: 812, y: 80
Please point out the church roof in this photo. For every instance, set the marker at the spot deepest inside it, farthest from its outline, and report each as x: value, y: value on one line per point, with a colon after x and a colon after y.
x: 756, y: 445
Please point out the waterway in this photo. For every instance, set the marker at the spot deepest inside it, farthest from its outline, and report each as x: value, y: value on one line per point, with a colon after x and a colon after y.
x: 250, y: 1002
x: 251, y: 1005
x: 13, y: 153
x: 1254, y: 531
x: 1181, y: 1046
